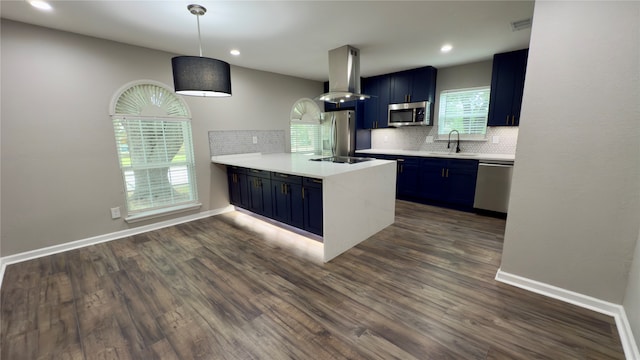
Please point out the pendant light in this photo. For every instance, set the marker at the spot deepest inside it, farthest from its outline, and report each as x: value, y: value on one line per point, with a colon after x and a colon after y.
x: 200, y: 76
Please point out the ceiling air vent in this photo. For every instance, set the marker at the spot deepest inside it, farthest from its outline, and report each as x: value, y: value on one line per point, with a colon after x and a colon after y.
x: 521, y: 24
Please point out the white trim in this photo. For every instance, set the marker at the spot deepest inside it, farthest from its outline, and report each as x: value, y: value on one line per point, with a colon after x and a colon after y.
x: 50, y: 250
x: 127, y: 86
x: 152, y: 214
x: 604, y: 307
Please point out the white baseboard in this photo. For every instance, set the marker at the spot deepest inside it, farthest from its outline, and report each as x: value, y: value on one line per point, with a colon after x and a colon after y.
x: 50, y: 250
x: 604, y: 307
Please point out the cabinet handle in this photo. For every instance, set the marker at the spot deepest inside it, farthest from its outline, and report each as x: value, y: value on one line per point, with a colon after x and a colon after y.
x: 447, y: 173
x: 401, y: 168
x: 286, y: 190
x: 507, y: 120
x: 303, y: 193
x: 317, y: 181
x: 513, y: 119
x: 442, y: 173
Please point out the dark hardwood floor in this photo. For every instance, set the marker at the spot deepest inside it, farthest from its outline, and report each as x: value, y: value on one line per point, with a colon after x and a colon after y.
x: 226, y: 287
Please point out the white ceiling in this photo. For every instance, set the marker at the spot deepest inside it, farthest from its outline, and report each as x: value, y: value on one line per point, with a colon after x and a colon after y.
x: 294, y: 37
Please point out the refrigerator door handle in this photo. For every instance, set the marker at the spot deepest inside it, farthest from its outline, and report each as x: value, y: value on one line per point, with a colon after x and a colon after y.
x: 334, y: 135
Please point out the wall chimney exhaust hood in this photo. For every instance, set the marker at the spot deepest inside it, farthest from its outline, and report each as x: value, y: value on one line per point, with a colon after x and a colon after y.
x: 344, y: 76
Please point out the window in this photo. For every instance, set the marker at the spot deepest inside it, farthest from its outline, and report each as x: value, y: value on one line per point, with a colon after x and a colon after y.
x: 306, y: 138
x: 153, y: 137
x: 464, y: 110
x: 306, y: 127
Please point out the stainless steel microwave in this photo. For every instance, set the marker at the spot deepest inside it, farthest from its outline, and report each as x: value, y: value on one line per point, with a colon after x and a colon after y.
x: 416, y: 113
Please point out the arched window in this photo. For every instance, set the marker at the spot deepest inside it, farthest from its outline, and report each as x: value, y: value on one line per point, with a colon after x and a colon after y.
x: 153, y: 137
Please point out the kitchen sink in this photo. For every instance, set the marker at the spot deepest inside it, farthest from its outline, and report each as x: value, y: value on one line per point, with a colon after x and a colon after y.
x: 343, y: 159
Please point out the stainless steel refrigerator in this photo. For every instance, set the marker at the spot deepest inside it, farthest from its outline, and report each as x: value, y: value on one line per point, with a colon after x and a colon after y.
x: 339, y: 133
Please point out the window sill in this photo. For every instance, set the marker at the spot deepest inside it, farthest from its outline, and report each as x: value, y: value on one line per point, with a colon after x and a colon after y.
x: 148, y: 215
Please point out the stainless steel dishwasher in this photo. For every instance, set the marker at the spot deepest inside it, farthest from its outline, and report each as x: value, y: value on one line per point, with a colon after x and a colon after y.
x: 493, y: 186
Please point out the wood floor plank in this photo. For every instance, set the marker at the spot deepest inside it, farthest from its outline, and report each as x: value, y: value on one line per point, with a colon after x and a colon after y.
x: 225, y: 287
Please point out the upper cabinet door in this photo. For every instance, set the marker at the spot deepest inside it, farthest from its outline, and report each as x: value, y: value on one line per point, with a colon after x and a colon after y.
x: 423, y: 86
x: 375, y: 108
x: 507, y: 85
x: 400, y: 87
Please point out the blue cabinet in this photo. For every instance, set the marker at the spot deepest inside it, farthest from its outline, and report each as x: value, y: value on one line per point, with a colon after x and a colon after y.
x: 375, y: 108
x: 287, y: 199
x: 408, y: 177
x: 312, y: 200
x: 507, y: 86
x: 399, y: 87
x: 449, y: 181
x: 260, y: 200
x: 413, y: 85
x: 438, y: 181
x: 238, y: 189
x: 433, y: 174
x: 290, y: 199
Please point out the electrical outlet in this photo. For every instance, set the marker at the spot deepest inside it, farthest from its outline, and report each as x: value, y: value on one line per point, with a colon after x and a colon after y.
x: 429, y: 139
x: 115, y: 212
x: 495, y: 139
x: 386, y: 138
x: 255, y: 139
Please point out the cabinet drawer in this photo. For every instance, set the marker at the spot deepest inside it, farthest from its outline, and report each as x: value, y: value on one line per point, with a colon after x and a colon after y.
x: 312, y: 182
x: 259, y: 173
x: 292, y: 179
x: 236, y: 169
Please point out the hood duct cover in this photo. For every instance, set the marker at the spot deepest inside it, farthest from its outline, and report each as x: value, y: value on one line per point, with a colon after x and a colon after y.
x: 344, y: 76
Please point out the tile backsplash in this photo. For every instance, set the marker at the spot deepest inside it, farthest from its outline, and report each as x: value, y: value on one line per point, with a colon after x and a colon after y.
x: 242, y: 142
x: 415, y: 137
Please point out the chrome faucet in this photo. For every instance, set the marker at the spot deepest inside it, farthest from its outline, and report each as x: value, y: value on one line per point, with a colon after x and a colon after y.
x: 457, y: 144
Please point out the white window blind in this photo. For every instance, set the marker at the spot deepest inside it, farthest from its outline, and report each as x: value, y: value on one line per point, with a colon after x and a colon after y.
x: 464, y: 110
x: 306, y: 138
x: 155, y: 150
x: 156, y: 159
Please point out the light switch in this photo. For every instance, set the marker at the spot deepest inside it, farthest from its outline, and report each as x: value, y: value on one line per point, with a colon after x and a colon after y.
x: 255, y: 139
x: 495, y: 139
x: 429, y: 139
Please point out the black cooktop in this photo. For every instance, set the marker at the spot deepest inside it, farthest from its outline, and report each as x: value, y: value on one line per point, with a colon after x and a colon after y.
x: 342, y: 159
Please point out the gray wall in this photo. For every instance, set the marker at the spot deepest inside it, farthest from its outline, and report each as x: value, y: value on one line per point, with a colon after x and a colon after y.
x: 60, y: 171
x: 575, y: 198
x: 454, y: 77
x: 632, y: 298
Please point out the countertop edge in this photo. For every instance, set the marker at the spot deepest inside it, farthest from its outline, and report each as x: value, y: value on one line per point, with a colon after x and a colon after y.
x: 293, y: 164
x: 465, y: 156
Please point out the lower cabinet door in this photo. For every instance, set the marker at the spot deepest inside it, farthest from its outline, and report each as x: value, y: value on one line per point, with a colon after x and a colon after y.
x: 433, y: 179
x: 408, y: 183
x: 238, y: 190
x: 462, y: 182
x: 287, y: 203
x: 260, y: 195
x: 313, y: 208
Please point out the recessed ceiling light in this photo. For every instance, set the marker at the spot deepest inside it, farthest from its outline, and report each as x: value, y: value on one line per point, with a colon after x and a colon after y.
x: 42, y: 5
x: 235, y: 52
x: 446, y: 48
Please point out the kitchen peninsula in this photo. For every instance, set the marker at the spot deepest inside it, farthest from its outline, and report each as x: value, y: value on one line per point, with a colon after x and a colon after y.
x: 358, y: 200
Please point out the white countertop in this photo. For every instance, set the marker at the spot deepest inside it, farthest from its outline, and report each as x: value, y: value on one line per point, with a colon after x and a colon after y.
x: 293, y: 164
x: 471, y: 156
